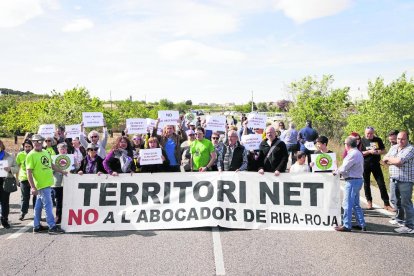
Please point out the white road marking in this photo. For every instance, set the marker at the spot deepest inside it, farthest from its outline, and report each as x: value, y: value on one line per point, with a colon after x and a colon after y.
x: 218, y: 252
x: 20, y: 231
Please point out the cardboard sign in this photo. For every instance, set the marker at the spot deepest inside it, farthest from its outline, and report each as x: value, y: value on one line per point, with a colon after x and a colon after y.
x: 47, y: 131
x: 150, y: 156
x: 251, y: 141
x: 73, y: 131
x: 216, y: 123
x: 255, y: 120
x: 323, y: 162
x: 92, y: 119
x: 3, y: 164
x: 136, y: 126
x: 168, y: 117
x: 65, y: 162
x: 151, y: 124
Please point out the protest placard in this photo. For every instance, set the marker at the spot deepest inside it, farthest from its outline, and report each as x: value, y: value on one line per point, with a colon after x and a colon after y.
x: 65, y: 162
x: 216, y: 123
x: 73, y: 131
x: 168, y: 117
x: 256, y: 120
x: 47, y: 131
x: 92, y: 119
x: 251, y: 141
x: 136, y: 126
x: 150, y: 156
x: 3, y: 164
x: 324, y: 162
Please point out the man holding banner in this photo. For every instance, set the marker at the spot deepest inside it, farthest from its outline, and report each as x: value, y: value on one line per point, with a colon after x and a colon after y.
x: 273, y: 155
x: 233, y: 156
x: 203, y: 152
x: 40, y: 175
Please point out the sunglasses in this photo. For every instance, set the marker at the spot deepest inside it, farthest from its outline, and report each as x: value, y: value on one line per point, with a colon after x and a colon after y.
x: 48, y: 141
x: 214, y: 138
x: 191, y: 134
x: 38, y: 141
x: 136, y: 139
x: 92, y: 149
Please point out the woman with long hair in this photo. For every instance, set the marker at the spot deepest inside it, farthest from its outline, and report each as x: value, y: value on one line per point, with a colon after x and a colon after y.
x: 120, y: 158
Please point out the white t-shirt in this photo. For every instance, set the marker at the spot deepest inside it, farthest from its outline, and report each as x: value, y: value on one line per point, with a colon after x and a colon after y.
x: 297, y: 168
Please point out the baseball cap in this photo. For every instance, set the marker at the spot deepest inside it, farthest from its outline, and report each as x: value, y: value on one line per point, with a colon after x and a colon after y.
x: 38, y: 137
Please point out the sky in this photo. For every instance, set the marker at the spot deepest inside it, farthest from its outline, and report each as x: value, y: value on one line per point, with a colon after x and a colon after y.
x: 216, y: 51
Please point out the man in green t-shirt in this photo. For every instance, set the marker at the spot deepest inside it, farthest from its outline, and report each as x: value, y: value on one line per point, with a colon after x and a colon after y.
x: 202, y: 152
x: 24, y: 183
x: 40, y: 175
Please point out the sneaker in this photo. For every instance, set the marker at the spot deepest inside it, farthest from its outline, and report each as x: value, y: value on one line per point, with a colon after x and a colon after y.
x: 56, y: 230
x: 404, y: 230
x: 396, y: 223
x: 40, y: 229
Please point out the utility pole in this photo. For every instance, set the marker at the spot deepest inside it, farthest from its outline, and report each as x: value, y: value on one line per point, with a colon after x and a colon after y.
x: 110, y: 98
x: 252, y: 101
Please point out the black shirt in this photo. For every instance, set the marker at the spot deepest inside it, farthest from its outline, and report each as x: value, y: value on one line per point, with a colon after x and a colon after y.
x: 376, y: 144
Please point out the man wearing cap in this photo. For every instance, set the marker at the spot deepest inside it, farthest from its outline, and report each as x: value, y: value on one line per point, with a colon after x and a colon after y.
x: 352, y: 169
x: 185, y: 150
x: 24, y: 183
x: 401, y: 160
x: 372, y: 148
x: 40, y: 169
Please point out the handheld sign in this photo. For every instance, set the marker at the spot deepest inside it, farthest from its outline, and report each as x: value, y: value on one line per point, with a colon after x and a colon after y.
x: 47, y: 131
x: 168, y: 117
x: 216, y: 123
x: 151, y: 124
x: 150, y: 156
x: 73, y: 131
x: 92, y: 119
x: 3, y: 164
x: 310, y: 145
x: 323, y: 162
x: 65, y: 162
x: 255, y: 120
x: 136, y: 126
x: 251, y: 141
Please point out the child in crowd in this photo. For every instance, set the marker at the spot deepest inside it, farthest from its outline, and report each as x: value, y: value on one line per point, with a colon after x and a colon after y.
x: 300, y: 165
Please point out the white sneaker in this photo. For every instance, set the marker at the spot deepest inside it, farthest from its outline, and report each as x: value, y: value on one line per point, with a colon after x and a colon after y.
x: 404, y: 230
x: 396, y: 223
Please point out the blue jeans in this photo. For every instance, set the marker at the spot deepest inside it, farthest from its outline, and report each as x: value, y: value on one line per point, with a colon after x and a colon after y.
x: 395, y: 200
x: 351, y: 202
x: 44, y: 199
x: 406, y: 191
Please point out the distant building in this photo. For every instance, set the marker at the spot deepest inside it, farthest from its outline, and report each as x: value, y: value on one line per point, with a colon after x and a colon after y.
x: 203, y: 104
x: 229, y: 104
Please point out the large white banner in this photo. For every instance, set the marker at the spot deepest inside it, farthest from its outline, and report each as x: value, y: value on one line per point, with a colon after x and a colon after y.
x: 244, y: 200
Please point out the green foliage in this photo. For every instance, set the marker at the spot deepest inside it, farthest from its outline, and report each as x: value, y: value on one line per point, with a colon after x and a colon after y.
x: 60, y: 109
x: 388, y: 107
x: 318, y: 101
x: 188, y: 102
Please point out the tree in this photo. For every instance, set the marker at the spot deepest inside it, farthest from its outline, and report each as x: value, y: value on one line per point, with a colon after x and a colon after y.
x: 387, y: 107
x: 318, y: 101
x: 188, y: 102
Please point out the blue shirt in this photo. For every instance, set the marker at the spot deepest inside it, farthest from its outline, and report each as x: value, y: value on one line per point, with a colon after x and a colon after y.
x: 170, y: 151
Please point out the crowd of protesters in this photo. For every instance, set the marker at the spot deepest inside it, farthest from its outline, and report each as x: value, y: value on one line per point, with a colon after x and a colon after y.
x: 188, y: 147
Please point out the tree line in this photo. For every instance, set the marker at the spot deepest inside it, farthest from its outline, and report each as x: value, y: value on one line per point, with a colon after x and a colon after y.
x: 333, y: 112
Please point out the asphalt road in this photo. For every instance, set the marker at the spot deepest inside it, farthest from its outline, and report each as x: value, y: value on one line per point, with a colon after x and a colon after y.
x: 205, y: 252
